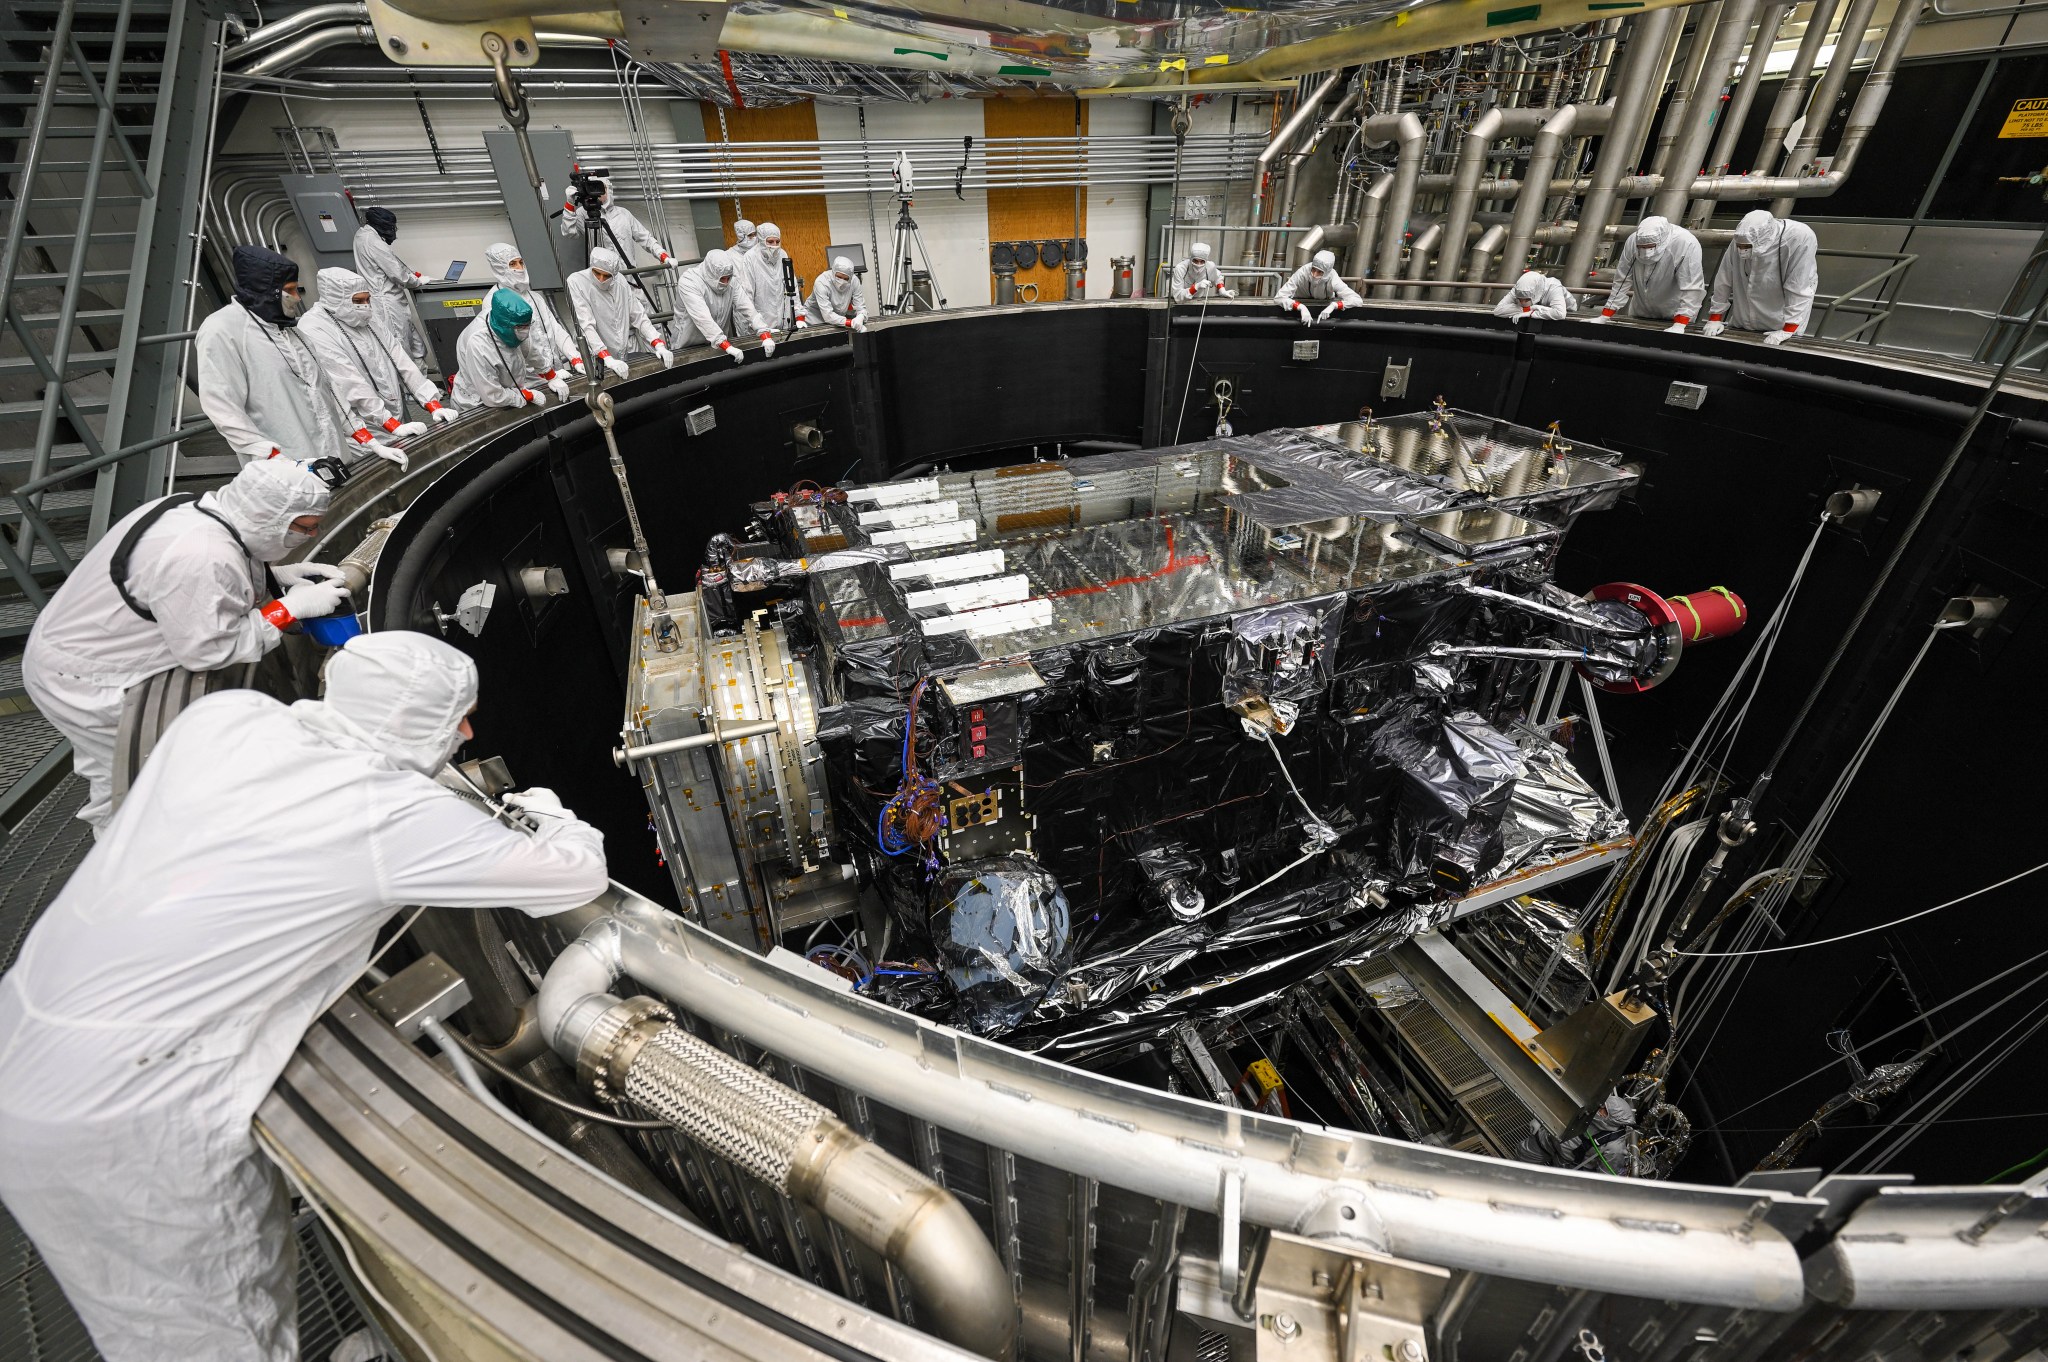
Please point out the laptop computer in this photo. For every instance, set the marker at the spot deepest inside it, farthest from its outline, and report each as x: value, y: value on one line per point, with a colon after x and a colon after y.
x: 455, y: 269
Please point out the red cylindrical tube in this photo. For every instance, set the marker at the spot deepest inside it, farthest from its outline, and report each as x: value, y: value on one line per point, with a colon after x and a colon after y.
x: 1714, y: 613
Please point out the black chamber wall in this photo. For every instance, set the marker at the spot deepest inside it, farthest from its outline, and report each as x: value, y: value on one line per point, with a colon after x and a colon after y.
x: 1945, y: 803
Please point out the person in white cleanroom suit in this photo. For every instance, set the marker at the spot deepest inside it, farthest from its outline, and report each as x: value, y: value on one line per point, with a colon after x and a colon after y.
x: 1198, y: 276
x: 1766, y: 280
x: 632, y: 233
x: 704, y: 296
x: 371, y: 376
x: 392, y: 281
x: 610, y: 315
x: 745, y: 236
x: 496, y: 364
x: 835, y: 299
x: 1317, y: 282
x: 1535, y: 294
x: 1657, y: 276
x: 759, y: 303
x: 259, y: 383
x: 233, y: 898
x: 551, y: 340
x: 194, y: 596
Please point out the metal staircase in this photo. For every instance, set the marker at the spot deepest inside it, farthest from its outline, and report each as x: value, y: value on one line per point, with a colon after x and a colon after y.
x: 105, y: 111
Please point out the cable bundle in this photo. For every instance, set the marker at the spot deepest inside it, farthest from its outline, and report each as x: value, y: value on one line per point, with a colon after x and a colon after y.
x: 911, y: 818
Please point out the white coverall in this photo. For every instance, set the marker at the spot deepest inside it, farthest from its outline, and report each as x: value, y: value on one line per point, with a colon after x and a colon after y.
x: 88, y: 647
x: 1304, y: 285
x: 490, y: 374
x: 630, y: 231
x: 391, y: 285
x: 610, y: 315
x: 550, y: 339
x: 262, y: 387
x: 1657, y: 275
x: 706, y: 306
x: 160, y: 996
x: 759, y: 304
x: 1770, y: 286
x: 836, y: 302
x: 1192, y: 278
x: 1535, y: 295
x: 371, y: 376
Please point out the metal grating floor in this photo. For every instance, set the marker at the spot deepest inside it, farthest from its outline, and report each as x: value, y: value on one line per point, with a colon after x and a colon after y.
x: 36, y: 1323
x: 25, y: 739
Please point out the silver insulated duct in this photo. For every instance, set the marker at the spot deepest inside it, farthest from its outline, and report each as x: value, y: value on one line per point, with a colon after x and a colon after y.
x: 632, y: 1051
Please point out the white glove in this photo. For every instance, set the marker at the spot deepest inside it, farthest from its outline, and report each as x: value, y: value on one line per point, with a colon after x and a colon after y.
x: 668, y: 356
x: 1222, y: 292
x: 799, y: 322
x: 559, y: 386
x: 1306, y: 320
x: 1714, y: 327
x: 537, y: 399
x: 538, y: 800
x: 290, y: 574
x: 616, y: 365
x: 767, y: 344
x: 443, y: 412
x: 1777, y: 337
x: 384, y: 451
x: 860, y: 323
x: 576, y: 363
x: 405, y: 430
x: 1336, y: 304
x: 1606, y: 316
x: 733, y: 352
x: 311, y: 600
x: 1675, y: 329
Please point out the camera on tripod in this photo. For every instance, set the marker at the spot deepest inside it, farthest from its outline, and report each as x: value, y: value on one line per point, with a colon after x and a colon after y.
x: 587, y: 189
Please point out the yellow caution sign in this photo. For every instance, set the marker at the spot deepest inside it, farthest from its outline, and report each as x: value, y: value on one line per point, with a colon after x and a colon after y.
x: 2029, y: 118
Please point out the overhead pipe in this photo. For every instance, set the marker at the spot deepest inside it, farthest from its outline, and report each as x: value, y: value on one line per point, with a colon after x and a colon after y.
x: 1262, y: 169
x: 1635, y: 94
x: 1407, y: 133
x: 1336, y: 236
x: 287, y: 55
x: 1570, y: 121
x: 1855, y: 25
x: 1792, y: 94
x: 633, y: 1050
x: 1491, y: 126
x: 1740, y: 100
x: 1687, y: 87
x: 1689, y: 151
x: 1372, y: 209
x: 295, y: 23
x: 1308, y: 149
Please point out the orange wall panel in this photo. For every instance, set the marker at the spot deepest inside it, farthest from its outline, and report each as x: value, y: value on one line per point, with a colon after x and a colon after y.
x: 806, y: 229
x: 1041, y: 212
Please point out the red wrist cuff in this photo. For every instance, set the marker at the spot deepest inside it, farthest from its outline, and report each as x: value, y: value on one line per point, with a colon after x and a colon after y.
x: 363, y: 436
x: 1681, y: 319
x: 1791, y: 326
x: 725, y: 345
x: 1607, y: 312
x: 657, y: 340
x: 433, y: 406
x: 278, y: 616
x: 604, y: 354
x: 1713, y: 316
x: 764, y: 336
x: 391, y: 423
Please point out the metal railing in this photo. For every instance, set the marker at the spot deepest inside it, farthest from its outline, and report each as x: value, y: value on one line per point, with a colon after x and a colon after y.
x: 1876, y: 310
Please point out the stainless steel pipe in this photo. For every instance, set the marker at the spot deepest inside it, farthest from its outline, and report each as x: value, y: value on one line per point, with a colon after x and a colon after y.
x: 1792, y: 94
x: 1634, y: 96
x: 1696, y: 131
x: 1406, y: 132
x: 1535, y: 189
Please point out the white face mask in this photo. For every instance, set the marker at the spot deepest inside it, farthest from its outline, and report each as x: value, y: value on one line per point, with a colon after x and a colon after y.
x: 604, y: 281
x: 355, y: 313
x: 518, y: 278
x: 292, y: 540
x: 719, y: 284
x: 773, y: 243
x: 292, y: 304
x: 522, y: 332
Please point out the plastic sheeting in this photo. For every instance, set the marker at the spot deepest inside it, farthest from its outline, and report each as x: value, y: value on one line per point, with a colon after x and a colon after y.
x: 1002, y: 932
x: 1452, y: 780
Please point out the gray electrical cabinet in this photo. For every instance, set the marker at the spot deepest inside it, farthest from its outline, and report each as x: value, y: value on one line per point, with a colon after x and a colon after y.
x: 536, y: 227
x: 327, y: 219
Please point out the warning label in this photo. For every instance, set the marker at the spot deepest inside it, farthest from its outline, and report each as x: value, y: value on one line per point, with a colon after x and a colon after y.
x: 2029, y: 118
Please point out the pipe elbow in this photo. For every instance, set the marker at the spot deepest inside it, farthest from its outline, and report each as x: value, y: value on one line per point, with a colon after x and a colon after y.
x: 956, y: 1273
x: 574, y: 991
